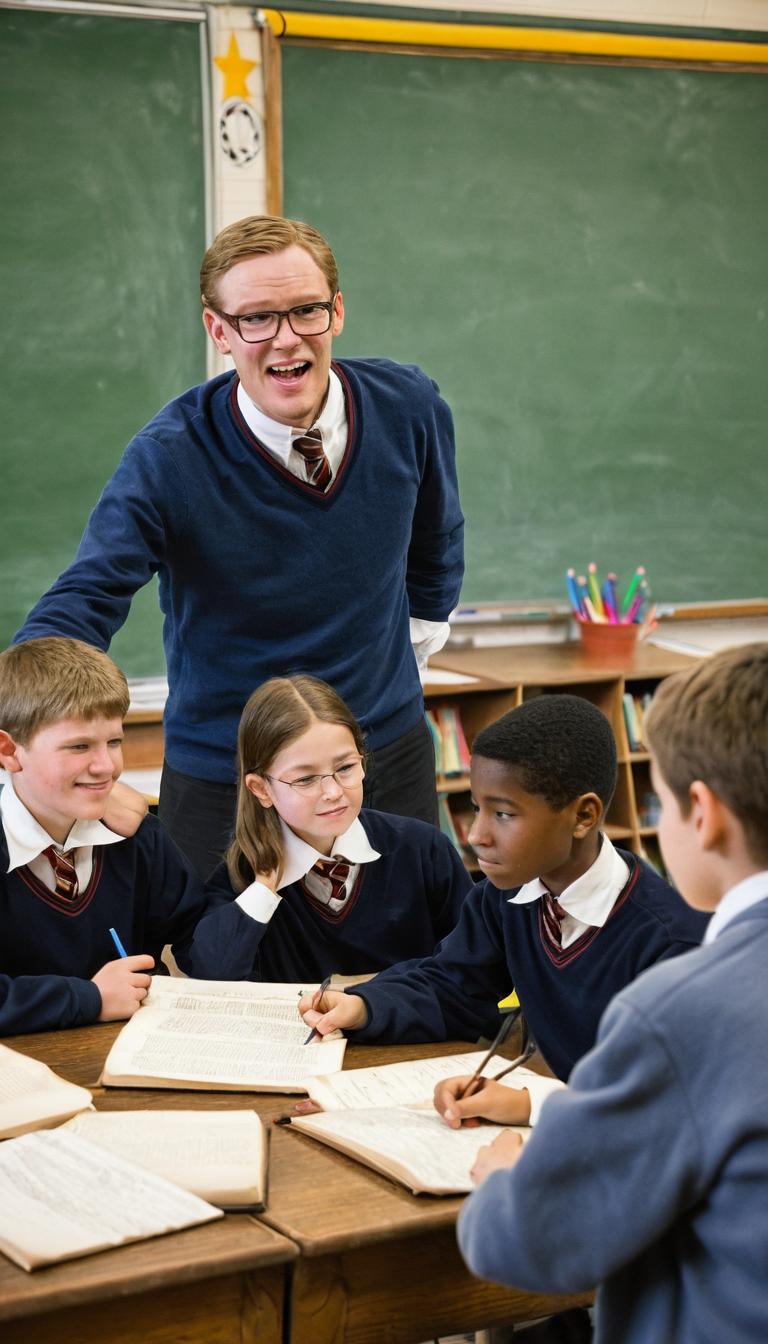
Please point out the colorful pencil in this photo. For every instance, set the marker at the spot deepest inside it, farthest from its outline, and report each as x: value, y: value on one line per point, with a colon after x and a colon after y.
x: 574, y: 594
x: 630, y: 593
x: 633, y: 613
x: 608, y: 604
x: 594, y: 588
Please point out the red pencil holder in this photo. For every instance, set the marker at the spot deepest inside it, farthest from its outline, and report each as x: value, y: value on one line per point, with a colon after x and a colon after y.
x: 612, y: 645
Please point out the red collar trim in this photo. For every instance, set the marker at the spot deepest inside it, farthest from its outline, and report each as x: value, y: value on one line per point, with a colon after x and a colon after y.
x: 59, y: 903
x: 258, y: 447
x: 561, y: 957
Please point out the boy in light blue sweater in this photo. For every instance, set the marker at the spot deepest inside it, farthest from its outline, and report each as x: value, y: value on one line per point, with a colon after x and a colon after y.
x: 648, y: 1174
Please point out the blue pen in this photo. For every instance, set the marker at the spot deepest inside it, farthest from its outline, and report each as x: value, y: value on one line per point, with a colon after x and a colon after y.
x: 121, y: 952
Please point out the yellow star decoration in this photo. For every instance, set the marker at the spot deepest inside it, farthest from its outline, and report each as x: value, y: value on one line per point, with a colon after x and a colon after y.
x: 235, y: 70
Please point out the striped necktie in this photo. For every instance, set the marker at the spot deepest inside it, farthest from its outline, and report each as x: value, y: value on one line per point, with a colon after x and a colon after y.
x: 310, y: 446
x: 63, y: 865
x: 553, y: 915
x: 335, y: 871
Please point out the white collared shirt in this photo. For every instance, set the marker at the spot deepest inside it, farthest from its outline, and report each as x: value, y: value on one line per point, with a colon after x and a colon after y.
x: 748, y: 892
x: 277, y: 438
x: 353, y: 846
x: 589, y: 900
x: 427, y: 637
x: 27, y: 839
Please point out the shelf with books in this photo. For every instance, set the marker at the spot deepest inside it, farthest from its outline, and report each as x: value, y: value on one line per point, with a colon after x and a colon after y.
x: 507, y: 677
x: 454, y: 723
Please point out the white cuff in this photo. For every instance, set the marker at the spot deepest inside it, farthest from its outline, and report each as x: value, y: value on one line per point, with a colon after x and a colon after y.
x: 258, y: 902
x: 538, y: 1088
x: 427, y: 637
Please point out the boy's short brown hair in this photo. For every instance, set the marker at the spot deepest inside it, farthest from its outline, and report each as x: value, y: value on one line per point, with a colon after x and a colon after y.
x: 45, y: 680
x: 711, y: 723
x: 262, y: 235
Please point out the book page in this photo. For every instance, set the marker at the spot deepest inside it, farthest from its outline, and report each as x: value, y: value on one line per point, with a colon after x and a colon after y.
x: 218, y: 1155
x: 222, y: 1035
x: 33, y: 1096
x: 61, y: 1197
x: 413, y: 1080
x: 413, y: 1145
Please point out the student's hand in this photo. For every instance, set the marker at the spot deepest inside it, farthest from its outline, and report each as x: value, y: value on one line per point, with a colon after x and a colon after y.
x: 125, y: 809
x: 488, y: 1100
x: 334, y: 1011
x: 123, y: 984
x: 503, y: 1152
x: 306, y: 1107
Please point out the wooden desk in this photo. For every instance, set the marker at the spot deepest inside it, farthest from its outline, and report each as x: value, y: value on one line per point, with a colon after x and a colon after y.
x: 374, y: 1262
x: 224, y: 1282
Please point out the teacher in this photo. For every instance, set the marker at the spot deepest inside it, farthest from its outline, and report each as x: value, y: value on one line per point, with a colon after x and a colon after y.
x: 302, y: 514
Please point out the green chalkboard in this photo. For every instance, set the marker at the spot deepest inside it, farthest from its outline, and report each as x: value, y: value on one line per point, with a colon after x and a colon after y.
x: 577, y: 253
x: 101, y: 234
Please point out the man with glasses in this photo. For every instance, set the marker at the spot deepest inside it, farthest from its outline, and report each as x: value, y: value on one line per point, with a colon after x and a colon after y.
x: 302, y: 515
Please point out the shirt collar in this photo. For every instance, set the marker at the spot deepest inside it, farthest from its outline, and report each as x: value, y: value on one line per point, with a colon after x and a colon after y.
x: 353, y: 845
x: 278, y: 437
x: 26, y: 837
x: 592, y: 896
x: 746, y: 893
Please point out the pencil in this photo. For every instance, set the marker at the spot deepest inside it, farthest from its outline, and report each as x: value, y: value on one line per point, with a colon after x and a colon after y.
x: 316, y: 999
x: 498, y: 1041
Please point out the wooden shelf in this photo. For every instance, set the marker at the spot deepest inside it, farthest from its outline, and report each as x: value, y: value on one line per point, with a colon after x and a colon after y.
x: 452, y: 783
x: 509, y: 675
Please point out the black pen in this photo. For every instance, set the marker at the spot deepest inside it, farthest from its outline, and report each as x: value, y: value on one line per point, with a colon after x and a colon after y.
x: 316, y: 999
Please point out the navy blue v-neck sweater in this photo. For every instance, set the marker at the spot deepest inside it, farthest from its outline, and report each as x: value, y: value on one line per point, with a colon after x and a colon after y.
x: 497, y: 946
x: 402, y: 904
x: 50, y: 948
x: 260, y: 575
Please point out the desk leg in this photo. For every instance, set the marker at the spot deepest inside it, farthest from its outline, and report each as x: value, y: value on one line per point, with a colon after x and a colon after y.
x: 234, y: 1309
x: 401, y: 1292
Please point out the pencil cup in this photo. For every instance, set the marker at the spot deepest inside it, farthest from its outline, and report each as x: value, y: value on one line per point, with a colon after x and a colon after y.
x: 612, y: 645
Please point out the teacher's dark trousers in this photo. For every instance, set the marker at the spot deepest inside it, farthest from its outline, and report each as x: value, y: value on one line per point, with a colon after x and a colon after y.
x: 200, y: 814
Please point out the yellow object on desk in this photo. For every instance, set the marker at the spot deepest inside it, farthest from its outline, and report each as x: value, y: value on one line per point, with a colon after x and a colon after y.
x: 511, y: 1001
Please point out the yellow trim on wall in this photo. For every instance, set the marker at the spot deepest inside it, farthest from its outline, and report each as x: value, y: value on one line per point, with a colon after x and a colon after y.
x: 572, y: 42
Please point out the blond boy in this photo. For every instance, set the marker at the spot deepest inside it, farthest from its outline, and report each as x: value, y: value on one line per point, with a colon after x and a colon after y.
x: 66, y: 877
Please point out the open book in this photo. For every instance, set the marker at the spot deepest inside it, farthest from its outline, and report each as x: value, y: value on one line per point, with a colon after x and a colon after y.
x: 32, y: 1096
x: 411, y: 1144
x: 410, y: 1082
x: 384, y: 1117
x: 222, y: 1035
x: 61, y: 1197
x: 219, y: 1155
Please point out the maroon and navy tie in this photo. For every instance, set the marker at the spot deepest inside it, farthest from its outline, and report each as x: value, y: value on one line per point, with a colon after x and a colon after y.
x: 335, y: 871
x: 310, y: 446
x: 63, y: 865
x: 553, y: 914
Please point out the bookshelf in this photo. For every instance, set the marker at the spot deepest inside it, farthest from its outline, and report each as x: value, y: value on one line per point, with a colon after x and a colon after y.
x: 501, y: 677
x: 507, y: 676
